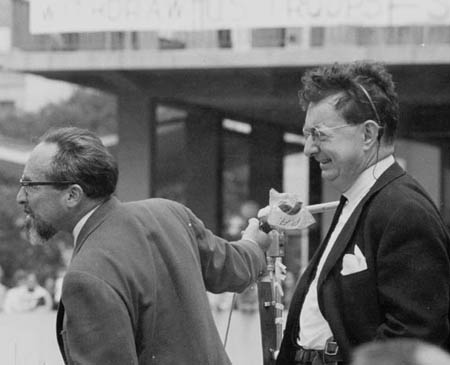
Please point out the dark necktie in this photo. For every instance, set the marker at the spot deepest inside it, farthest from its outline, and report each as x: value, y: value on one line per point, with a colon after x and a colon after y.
x: 337, y: 214
x: 335, y: 220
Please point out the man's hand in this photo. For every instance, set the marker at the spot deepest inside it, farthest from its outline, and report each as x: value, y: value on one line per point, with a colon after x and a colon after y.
x: 254, y: 234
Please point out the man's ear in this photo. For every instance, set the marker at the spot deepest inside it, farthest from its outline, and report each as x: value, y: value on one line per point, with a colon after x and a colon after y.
x: 371, y: 133
x: 74, y: 195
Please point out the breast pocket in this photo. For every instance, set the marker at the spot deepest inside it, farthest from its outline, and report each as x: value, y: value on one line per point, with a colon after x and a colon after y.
x: 359, y: 291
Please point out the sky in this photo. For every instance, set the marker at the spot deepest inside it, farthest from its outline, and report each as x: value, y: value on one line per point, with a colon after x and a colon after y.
x: 40, y: 91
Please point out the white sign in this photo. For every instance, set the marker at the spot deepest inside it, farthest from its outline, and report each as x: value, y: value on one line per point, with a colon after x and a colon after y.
x: 62, y: 16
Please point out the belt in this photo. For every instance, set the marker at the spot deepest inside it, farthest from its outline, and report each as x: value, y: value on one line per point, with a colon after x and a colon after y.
x: 329, y: 355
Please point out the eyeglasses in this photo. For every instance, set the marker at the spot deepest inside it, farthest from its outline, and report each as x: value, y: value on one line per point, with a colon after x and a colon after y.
x: 26, y: 183
x: 319, y: 135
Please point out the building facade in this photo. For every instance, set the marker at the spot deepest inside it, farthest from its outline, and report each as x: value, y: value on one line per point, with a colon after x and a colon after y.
x: 232, y: 90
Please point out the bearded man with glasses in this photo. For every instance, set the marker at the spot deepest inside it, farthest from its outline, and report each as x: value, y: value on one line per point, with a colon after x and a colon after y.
x: 383, y: 268
x: 135, y: 290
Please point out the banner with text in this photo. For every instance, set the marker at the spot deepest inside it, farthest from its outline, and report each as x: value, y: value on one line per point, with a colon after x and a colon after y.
x: 65, y: 16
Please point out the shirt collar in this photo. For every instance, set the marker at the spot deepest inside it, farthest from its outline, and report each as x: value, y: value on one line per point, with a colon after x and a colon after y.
x: 368, y: 178
x: 77, y: 229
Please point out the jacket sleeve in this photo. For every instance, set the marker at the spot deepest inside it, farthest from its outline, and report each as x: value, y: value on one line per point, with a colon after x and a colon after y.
x: 97, y: 327
x: 226, y: 266
x: 413, y: 275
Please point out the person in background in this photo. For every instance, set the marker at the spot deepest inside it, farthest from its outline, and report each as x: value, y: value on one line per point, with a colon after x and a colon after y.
x: 398, y: 352
x: 247, y: 301
x: 27, y: 296
x: 12, y: 294
x: 383, y: 269
x: 135, y: 290
x: 49, y: 286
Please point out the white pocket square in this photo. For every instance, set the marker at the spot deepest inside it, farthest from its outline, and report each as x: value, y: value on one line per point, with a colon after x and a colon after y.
x: 352, y: 264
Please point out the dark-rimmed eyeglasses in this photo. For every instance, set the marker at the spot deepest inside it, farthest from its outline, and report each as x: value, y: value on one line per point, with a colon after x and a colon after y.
x: 26, y: 183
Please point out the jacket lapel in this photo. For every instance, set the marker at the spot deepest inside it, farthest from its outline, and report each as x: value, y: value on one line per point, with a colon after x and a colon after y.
x: 342, y: 241
x: 94, y: 221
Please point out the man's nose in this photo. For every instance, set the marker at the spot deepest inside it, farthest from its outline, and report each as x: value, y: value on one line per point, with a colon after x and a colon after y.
x: 311, y: 147
x: 21, y: 197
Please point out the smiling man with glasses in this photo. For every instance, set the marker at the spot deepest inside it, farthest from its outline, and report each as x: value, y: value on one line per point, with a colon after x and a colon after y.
x: 383, y: 269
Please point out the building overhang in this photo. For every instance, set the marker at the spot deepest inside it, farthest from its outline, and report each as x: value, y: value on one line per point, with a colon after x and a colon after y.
x: 257, y: 84
x: 203, y: 59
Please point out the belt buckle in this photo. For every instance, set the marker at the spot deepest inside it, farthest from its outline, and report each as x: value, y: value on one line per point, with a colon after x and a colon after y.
x: 331, y: 348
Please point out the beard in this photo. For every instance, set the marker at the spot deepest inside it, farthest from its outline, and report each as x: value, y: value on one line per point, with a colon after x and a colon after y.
x: 38, y: 231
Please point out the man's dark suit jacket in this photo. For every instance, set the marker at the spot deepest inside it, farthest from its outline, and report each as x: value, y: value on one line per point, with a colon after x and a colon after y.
x: 135, y: 291
x: 405, y: 289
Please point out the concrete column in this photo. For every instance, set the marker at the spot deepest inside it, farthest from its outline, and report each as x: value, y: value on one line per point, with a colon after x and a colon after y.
x: 204, y: 171
x: 137, y: 146
x: 423, y: 161
x: 266, y: 162
x: 241, y: 39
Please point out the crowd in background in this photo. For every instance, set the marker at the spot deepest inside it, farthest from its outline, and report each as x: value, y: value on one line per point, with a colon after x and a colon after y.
x: 28, y: 294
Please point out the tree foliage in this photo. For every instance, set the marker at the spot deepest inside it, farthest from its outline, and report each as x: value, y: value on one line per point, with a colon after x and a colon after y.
x: 86, y: 108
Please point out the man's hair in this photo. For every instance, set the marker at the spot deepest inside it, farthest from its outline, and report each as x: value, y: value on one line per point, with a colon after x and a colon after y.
x: 83, y: 159
x: 354, y: 80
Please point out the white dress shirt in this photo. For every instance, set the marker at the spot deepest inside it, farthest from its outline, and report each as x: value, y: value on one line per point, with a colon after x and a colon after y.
x: 77, y: 229
x: 314, y: 329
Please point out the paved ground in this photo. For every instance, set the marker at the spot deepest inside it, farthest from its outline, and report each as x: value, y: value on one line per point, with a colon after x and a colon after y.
x: 244, y: 337
x: 29, y: 339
